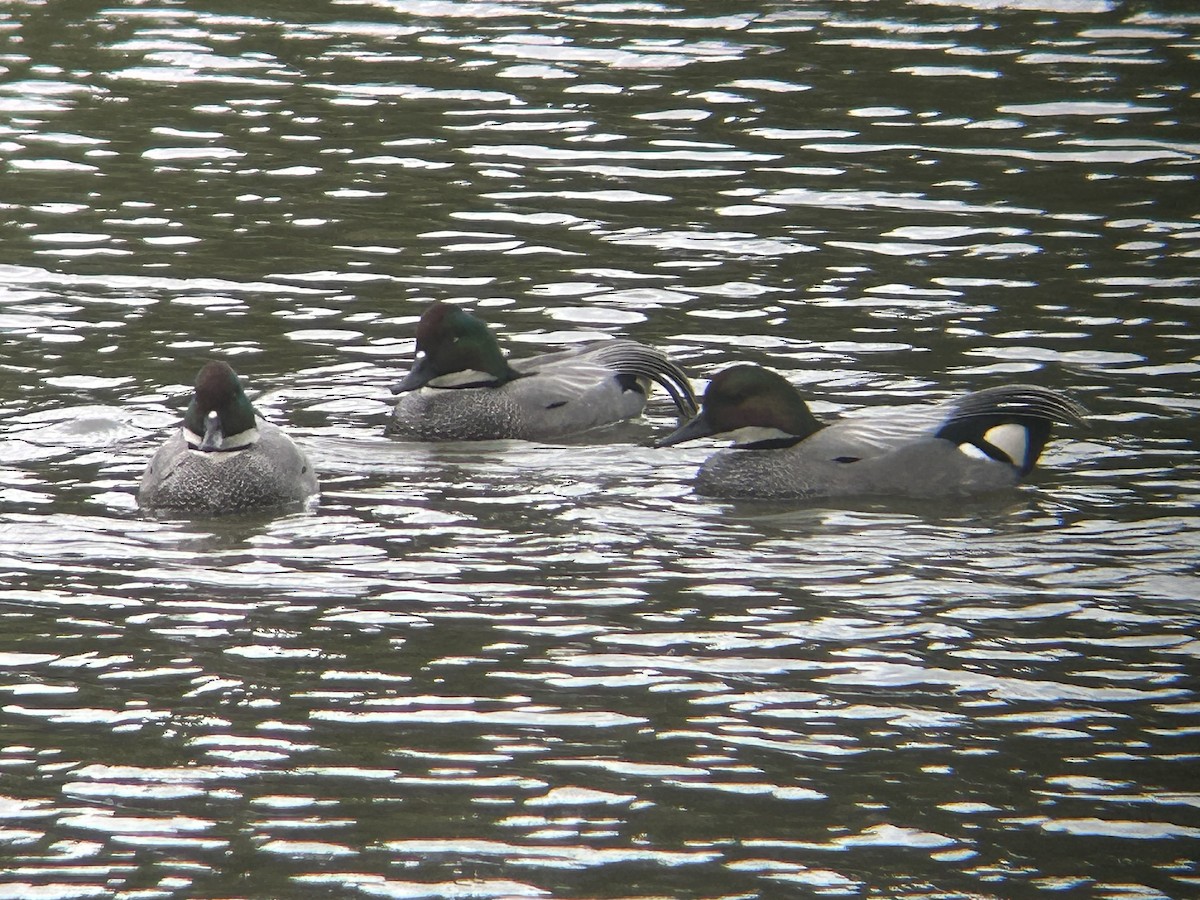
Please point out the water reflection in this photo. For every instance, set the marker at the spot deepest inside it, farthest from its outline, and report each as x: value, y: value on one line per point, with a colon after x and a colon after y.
x: 535, y: 670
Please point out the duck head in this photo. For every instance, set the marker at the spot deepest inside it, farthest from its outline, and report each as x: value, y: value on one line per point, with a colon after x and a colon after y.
x: 754, y: 407
x: 455, y: 350
x: 220, y: 416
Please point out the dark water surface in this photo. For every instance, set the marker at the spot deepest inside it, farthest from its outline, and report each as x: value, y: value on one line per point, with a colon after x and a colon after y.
x: 520, y: 670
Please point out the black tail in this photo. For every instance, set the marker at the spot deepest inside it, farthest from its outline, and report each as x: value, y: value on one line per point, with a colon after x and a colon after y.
x: 980, y: 419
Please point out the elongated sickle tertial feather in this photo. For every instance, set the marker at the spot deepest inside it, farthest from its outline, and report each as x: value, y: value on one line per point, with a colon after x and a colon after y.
x: 640, y: 361
x: 1010, y: 423
x: 1018, y: 400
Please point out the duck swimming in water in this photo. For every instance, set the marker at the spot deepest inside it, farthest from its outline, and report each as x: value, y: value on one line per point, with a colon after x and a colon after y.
x: 463, y: 388
x: 225, y: 458
x: 980, y: 441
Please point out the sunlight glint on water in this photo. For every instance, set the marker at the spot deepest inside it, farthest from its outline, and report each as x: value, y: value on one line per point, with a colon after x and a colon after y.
x: 509, y: 669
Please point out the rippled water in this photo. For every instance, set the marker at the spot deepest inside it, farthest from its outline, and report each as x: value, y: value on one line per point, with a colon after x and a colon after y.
x: 510, y: 670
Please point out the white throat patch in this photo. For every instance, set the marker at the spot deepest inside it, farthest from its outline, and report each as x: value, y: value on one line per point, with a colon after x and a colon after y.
x: 239, y: 441
x: 242, y: 439
x: 465, y: 378
x: 756, y: 434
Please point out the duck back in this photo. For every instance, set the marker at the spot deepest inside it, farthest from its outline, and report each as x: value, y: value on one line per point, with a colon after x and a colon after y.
x: 528, y: 409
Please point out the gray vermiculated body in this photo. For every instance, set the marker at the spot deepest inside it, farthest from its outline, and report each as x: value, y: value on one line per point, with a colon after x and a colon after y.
x: 926, y: 468
x: 273, y: 472
x: 563, y: 393
x: 516, y: 410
